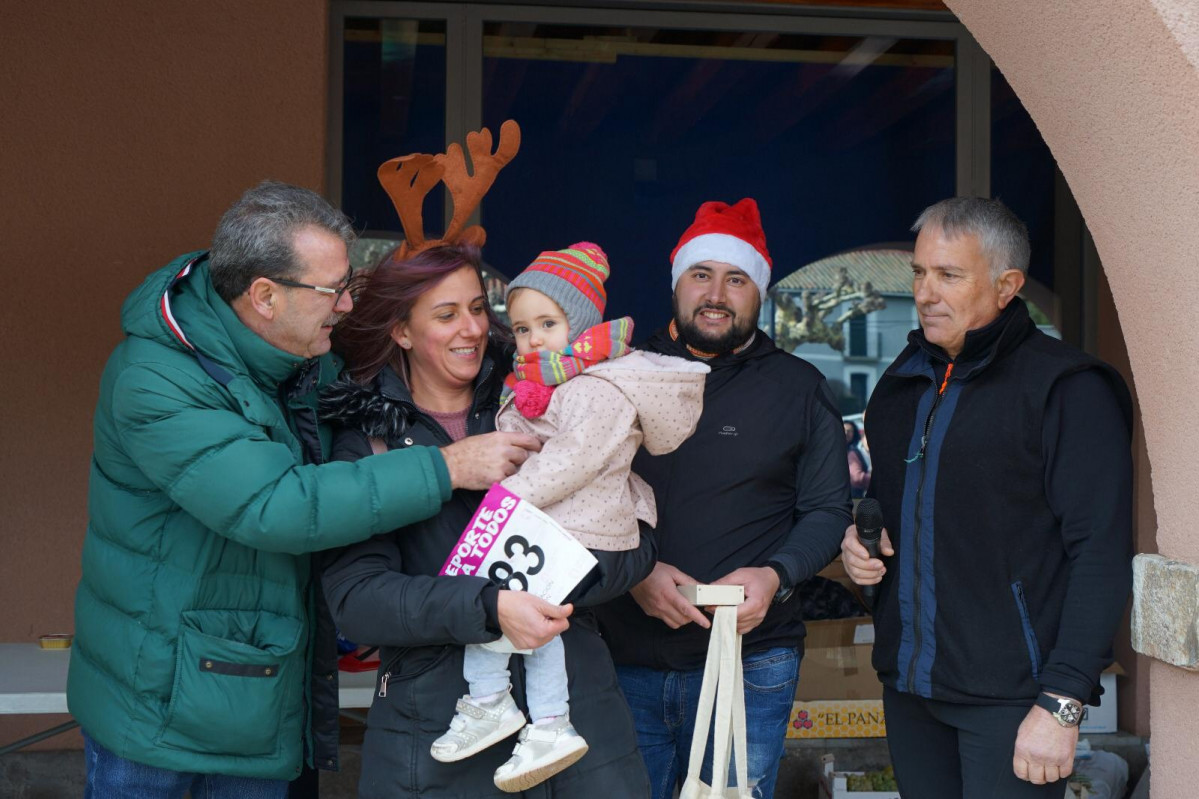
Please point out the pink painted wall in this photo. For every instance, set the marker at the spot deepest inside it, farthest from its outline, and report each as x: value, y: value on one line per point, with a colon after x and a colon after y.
x: 1133, y: 689
x: 1113, y: 86
x: 125, y: 130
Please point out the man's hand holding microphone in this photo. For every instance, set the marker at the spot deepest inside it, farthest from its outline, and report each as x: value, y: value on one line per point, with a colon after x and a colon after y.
x: 865, y: 544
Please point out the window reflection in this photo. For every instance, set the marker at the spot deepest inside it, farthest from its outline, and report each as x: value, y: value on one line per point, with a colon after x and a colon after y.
x: 368, y: 251
x: 394, y: 100
x: 627, y: 130
x: 849, y: 315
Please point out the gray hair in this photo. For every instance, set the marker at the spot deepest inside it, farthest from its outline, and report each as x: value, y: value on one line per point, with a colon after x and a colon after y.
x: 1002, y: 236
x: 255, y: 236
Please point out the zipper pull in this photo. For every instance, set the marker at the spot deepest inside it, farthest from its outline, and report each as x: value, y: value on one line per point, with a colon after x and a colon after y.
x: 920, y: 454
x: 383, y: 685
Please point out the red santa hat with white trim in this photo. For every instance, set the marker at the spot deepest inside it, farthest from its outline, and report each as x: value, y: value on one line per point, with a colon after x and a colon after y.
x: 730, y: 234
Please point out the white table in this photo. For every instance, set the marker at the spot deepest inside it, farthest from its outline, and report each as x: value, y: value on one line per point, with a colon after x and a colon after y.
x: 355, y: 689
x: 34, y: 680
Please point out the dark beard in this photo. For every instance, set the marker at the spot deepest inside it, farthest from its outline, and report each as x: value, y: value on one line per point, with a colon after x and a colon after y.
x: 738, y: 333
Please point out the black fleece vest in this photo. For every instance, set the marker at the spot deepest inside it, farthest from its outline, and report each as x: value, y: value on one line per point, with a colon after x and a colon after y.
x: 971, y: 602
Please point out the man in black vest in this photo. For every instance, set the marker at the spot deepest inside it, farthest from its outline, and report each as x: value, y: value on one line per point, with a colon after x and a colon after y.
x: 757, y: 497
x: 1001, y: 461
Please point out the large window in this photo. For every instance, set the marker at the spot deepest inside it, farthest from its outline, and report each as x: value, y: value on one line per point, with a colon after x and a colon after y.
x: 629, y: 129
x: 857, y: 337
x: 843, y: 129
x: 393, y: 102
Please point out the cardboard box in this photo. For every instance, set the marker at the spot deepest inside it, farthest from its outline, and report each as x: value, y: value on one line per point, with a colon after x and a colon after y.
x: 835, y: 571
x: 863, y: 718
x: 1103, y: 718
x: 837, y: 718
x: 836, y: 661
x: 834, y: 784
x: 839, y: 695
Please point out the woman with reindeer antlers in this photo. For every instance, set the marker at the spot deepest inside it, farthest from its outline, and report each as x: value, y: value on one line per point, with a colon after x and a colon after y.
x: 426, y: 360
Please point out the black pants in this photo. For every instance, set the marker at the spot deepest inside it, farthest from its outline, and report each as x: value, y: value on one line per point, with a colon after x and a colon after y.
x: 943, y: 750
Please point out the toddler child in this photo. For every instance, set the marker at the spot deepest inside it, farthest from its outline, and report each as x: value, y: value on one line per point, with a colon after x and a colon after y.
x: 592, y: 401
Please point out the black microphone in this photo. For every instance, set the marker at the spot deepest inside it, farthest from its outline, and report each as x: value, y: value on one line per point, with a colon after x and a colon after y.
x: 869, y: 522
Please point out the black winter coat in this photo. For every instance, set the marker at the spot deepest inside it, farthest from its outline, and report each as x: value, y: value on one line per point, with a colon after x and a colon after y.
x: 386, y: 591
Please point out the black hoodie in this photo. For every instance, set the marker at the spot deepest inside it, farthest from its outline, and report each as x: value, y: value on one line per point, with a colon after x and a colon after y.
x: 764, y: 478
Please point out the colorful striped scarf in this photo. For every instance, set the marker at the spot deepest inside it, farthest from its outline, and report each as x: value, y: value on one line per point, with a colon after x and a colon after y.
x: 535, y: 376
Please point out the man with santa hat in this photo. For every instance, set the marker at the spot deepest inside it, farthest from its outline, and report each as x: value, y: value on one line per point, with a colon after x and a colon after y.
x: 757, y: 497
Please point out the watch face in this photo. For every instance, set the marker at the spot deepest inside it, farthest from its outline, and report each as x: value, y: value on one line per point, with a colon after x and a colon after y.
x: 1069, y: 713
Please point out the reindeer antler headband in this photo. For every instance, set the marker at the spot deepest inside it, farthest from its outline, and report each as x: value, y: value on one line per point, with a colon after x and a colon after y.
x: 408, y: 179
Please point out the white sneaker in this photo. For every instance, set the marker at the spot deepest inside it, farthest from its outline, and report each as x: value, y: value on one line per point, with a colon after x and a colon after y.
x: 542, y: 751
x: 476, y: 726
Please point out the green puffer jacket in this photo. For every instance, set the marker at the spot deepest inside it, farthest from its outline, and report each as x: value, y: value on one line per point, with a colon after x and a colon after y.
x: 193, y: 618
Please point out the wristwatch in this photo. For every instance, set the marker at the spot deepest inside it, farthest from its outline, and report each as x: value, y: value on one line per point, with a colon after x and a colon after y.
x: 1067, y: 712
x: 785, y: 588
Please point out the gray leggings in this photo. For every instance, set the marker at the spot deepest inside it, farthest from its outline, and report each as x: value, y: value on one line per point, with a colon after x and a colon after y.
x: 545, y: 676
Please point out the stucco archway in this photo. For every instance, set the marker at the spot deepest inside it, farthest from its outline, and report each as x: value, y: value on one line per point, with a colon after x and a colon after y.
x: 1113, y: 86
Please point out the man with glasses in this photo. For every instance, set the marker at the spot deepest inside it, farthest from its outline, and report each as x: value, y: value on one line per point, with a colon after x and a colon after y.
x: 199, y: 663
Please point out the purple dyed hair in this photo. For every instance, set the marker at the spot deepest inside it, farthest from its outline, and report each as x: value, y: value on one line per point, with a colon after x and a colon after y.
x: 384, y: 298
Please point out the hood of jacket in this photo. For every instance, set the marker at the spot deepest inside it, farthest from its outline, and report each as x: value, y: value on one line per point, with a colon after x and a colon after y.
x: 177, y: 306
x: 667, y: 392
x: 369, y: 409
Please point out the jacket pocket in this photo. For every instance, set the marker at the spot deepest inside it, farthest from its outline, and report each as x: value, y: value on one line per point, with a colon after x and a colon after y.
x: 1030, y: 637
x: 773, y: 670
x: 237, y: 675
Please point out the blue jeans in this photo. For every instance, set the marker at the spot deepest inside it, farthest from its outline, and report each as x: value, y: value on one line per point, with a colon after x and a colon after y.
x: 665, y: 704
x: 110, y: 776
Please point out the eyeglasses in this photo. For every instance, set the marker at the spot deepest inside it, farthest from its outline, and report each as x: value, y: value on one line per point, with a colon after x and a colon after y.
x: 333, y: 292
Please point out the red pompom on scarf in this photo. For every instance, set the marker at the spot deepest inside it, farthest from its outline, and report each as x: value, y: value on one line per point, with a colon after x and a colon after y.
x: 532, y: 398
